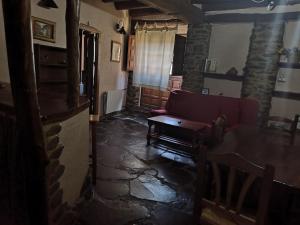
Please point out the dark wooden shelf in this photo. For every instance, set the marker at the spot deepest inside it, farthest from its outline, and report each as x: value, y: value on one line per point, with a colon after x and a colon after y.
x: 222, y: 76
x: 54, y: 65
x: 171, y: 140
x: 289, y: 65
x: 288, y: 95
x: 54, y: 82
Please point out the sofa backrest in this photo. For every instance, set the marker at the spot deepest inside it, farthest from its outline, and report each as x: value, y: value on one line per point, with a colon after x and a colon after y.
x: 230, y: 107
x: 249, y: 110
x: 178, y: 103
x: 206, y: 108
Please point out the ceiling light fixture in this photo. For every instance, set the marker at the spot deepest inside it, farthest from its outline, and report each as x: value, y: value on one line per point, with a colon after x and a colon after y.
x: 47, y: 4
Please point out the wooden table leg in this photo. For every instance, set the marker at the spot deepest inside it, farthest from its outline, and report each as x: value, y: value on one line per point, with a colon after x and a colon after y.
x: 196, y: 141
x: 149, y: 132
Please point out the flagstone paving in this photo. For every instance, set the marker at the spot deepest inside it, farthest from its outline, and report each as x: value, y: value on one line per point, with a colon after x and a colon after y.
x: 138, y: 184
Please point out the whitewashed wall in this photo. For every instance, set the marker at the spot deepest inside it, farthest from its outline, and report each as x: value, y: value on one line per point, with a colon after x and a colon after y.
x: 75, y: 156
x: 281, y: 106
x: 229, y: 44
x: 111, y: 75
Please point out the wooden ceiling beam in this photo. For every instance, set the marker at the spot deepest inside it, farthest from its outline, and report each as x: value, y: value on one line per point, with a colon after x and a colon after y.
x: 144, y: 12
x: 181, y: 8
x: 106, y: 1
x: 125, y: 5
x: 251, y: 17
x: 220, y: 5
x: 232, y: 5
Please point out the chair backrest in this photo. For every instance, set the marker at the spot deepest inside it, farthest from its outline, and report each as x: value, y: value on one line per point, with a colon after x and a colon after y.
x: 288, y: 125
x: 226, y: 208
x: 293, y: 123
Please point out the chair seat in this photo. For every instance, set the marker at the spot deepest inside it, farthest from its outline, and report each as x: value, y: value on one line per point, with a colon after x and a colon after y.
x: 277, y: 131
x: 212, y: 218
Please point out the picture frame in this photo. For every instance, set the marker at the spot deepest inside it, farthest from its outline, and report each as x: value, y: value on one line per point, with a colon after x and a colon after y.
x: 44, y: 30
x: 205, y: 91
x: 115, y: 51
x: 210, y: 65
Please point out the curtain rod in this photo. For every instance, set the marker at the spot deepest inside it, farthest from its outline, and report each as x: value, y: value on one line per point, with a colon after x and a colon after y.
x: 145, y: 26
x: 175, y: 21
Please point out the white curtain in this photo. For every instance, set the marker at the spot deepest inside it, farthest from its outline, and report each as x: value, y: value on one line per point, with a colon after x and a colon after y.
x: 153, y: 57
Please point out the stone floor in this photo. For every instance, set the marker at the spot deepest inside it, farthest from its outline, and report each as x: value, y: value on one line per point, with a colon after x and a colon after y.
x: 138, y: 185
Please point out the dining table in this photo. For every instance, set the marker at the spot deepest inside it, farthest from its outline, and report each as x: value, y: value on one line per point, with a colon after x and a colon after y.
x: 261, y: 147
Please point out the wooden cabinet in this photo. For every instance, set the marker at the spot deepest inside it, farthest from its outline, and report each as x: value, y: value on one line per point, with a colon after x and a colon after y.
x: 164, y: 98
x: 50, y: 65
x: 153, y: 98
x: 131, y: 53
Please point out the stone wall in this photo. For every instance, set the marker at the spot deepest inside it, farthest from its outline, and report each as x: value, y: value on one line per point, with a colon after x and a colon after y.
x: 133, y: 94
x: 261, y: 67
x: 59, y: 212
x: 197, y: 47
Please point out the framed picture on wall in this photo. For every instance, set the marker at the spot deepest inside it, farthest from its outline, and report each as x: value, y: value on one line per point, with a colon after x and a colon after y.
x: 115, y: 51
x: 43, y: 29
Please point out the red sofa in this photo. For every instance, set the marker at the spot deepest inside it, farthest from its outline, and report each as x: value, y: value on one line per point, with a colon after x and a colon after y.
x: 207, y: 108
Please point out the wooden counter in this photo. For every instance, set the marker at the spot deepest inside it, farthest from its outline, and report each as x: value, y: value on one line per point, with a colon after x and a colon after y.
x: 52, y: 101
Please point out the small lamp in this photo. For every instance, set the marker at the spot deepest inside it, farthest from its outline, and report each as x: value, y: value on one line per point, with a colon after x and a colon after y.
x: 47, y: 4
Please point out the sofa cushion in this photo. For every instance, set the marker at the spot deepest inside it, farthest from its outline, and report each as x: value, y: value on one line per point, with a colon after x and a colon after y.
x: 179, y: 104
x: 249, y: 109
x: 158, y: 112
x: 204, y: 108
x: 230, y: 107
x: 174, y: 97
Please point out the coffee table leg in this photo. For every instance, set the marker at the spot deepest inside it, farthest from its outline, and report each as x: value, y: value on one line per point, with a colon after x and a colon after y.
x: 149, y: 132
x: 196, y: 141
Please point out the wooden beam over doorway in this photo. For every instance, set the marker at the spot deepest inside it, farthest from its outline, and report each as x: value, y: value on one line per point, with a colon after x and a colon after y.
x: 144, y: 12
x: 126, y: 5
x: 183, y: 9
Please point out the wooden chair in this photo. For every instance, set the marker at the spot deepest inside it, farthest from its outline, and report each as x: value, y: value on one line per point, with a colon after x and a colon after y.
x: 219, y: 212
x: 287, y: 129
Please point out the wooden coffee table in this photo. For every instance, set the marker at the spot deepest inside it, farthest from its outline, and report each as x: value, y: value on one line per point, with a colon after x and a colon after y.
x: 195, y: 129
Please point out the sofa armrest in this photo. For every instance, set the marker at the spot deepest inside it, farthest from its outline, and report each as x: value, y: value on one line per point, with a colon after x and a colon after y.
x: 158, y: 112
x: 218, y: 129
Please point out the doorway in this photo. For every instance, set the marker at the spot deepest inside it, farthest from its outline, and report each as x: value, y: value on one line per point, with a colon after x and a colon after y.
x: 89, y: 57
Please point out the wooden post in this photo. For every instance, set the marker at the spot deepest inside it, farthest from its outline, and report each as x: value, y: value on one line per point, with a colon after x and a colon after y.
x: 72, y: 32
x: 30, y: 141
